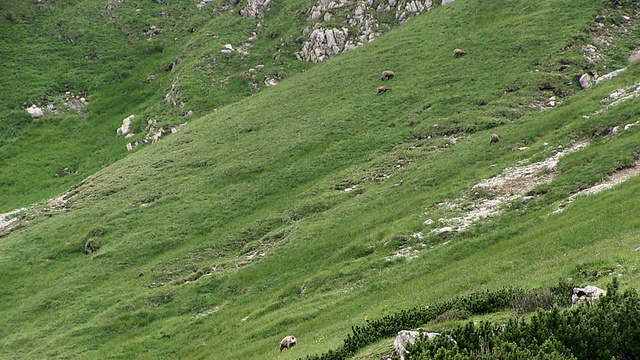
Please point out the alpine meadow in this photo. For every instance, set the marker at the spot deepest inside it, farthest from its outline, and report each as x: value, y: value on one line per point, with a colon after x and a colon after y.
x: 201, y: 179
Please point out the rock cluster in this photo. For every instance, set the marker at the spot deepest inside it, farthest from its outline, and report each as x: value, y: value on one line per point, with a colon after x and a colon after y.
x: 255, y: 9
x: 320, y: 41
x: 154, y: 133
x: 47, y: 104
x: 324, y: 43
x: 125, y: 129
x: 589, y: 293
x: 589, y: 79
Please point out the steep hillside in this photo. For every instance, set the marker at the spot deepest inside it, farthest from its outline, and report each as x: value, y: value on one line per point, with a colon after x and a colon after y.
x: 73, y: 71
x: 317, y: 204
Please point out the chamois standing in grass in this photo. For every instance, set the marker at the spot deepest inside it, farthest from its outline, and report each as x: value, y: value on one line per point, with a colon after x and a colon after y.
x: 388, y: 74
x: 494, y: 139
x: 382, y: 89
x: 459, y: 52
x: 288, y: 342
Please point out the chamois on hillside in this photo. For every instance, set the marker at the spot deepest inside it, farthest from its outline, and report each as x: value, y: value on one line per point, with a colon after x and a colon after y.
x: 288, y: 342
x: 459, y: 52
x: 388, y: 74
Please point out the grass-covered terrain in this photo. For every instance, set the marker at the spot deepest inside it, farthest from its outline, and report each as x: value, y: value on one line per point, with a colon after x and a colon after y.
x: 157, y: 60
x: 277, y: 214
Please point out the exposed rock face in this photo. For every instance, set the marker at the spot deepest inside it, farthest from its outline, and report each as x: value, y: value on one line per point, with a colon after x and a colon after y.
x: 324, y: 43
x: 610, y: 75
x: 321, y: 42
x: 589, y: 79
x: 586, y: 81
x: 255, y: 9
x: 588, y: 293
x: 11, y: 217
x: 125, y: 129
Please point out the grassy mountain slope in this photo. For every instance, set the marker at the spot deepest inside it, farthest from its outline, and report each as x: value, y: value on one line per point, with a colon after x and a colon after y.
x: 225, y: 237
x: 156, y: 60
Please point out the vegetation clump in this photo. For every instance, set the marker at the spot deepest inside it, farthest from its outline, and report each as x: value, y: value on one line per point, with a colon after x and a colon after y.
x: 473, y: 304
x: 602, y: 331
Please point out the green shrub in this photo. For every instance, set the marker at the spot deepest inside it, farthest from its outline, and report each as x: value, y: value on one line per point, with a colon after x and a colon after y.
x: 608, y: 329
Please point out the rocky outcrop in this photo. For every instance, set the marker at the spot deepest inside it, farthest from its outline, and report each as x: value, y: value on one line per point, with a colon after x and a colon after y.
x: 203, y: 3
x: 10, y: 218
x: 154, y: 133
x: 324, y: 43
x: 610, y: 75
x: 586, y: 81
x: 589, y: 294
x: 589, y: 79
x: 320, y: 41
x: 125, y: 129
x: 65, y: 102
x: 409, y: 8
x: 255, y: 9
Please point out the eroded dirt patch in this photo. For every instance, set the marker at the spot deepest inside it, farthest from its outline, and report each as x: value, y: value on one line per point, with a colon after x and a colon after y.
x: 502, y: 189
x: 614, y: 179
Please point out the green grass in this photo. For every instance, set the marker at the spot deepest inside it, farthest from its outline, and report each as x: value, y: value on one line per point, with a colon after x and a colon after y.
x: 265, y: 176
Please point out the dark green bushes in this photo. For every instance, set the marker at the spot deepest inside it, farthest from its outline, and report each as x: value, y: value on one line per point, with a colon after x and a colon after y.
x: 388, y: 326
x: 606, y: 330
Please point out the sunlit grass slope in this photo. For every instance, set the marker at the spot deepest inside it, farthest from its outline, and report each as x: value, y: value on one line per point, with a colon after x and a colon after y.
x: 157, y: 60
x: 223, y: 238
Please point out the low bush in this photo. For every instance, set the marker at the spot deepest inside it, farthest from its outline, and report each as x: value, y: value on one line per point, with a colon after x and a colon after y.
x: 605, y: 330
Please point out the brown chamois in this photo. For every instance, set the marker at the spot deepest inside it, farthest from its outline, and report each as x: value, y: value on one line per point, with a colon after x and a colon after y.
x: 459, y: 52
x: 387, y: 74
x: 288, y: 342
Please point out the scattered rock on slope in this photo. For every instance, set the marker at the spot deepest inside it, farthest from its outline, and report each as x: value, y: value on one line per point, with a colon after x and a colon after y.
x: 589, y: 293
x: 321, y: 41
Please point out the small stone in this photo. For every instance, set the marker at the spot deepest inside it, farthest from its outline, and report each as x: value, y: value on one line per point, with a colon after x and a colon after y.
x: 586, y: 81
x: 35, y: 112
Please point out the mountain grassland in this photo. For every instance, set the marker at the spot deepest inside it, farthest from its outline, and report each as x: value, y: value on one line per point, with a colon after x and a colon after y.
x: 157, y: 60
x: 316, y: 205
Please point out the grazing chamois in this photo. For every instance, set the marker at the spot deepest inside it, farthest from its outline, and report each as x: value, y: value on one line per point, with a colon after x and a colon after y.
x: 459, y: 52
x: 288, y: 342
x: 387, y: 74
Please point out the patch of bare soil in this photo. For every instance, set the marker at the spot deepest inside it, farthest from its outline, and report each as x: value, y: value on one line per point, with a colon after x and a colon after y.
x: 502, y: 189
x: 614, y: 179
